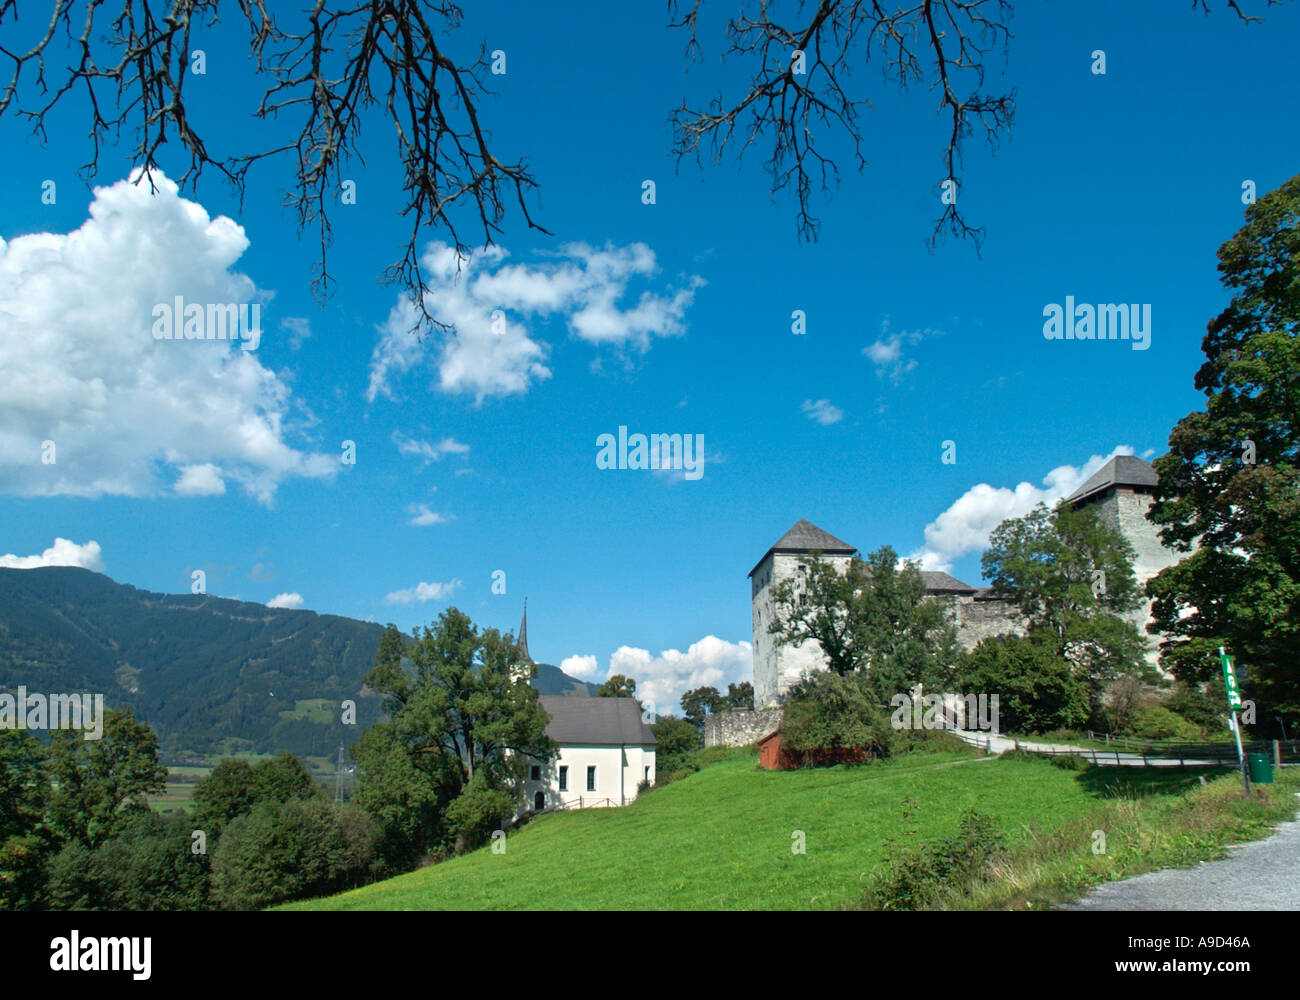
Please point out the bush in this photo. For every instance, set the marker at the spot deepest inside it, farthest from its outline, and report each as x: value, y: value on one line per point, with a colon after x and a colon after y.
x: 1071, y: 762
x: 1036, y: 689
x: 149, y: 866
x: 477, y: 811
x: 1159, y: 723
x: 1206, y: 709
x: 948, y: 865
x: 827, y: 712
x: 289, y: 850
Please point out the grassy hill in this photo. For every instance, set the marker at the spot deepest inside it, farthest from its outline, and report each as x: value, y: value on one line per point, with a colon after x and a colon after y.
x: 208, y: 673
x: 722, y: 838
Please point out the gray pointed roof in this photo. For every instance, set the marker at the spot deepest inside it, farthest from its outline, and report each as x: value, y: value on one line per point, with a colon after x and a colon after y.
x: 1122, y: 470
x: 596, y: 721
x: 805, y: 536
x: 944, y: 583
x: 525, y: 656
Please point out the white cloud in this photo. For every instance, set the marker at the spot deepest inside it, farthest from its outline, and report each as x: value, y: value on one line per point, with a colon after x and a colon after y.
x: 200, y: 481
x: 62, y: 553
x: 424, y: 592
x: 299, y: 330
x: 585, y: 668
x: 426, y: 451
x: 127, y: 413
x: 423, y: 516
x: 887, y: 352
x: 662, y: 680
x: 492, y: 305
x: 287, y: 600
x: 822, y: 411
x: 966, y: 525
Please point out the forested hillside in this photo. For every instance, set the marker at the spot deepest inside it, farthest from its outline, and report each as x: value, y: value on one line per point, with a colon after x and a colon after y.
x: 201, y: 670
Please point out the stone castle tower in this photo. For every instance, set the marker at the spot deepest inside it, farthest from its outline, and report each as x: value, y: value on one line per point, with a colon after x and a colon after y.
x: 776, y: 669
x: 1123, y: 491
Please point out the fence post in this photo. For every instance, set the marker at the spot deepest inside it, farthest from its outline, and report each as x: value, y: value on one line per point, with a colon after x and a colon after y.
x: 1277, y: 752
x: 1117, y: 758
x: 1108, y: 739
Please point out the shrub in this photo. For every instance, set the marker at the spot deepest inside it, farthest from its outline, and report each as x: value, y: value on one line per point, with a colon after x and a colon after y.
x: 827, y: 712
x: 1037, y: 690
x: 288, y: 850
x: 1207, y: 709
x: 948, y: 865
x: 1071, y: 762
x: 477, y: 811
x: 1158, y: 723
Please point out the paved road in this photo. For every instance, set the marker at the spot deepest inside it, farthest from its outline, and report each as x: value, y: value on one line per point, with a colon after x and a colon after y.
x: 1261, y: 875
x: 999, y: 744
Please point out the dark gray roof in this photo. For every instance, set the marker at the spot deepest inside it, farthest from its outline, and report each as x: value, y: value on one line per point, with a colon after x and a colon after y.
x: 805, y: 536
x: 1122, y: 470
x: 943, y: 583
x: 596, y: 721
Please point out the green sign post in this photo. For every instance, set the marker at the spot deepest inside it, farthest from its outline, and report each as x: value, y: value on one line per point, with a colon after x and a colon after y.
x: 1234, y: 703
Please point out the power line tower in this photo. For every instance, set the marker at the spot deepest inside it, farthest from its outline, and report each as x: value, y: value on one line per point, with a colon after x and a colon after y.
x: 338, y: 778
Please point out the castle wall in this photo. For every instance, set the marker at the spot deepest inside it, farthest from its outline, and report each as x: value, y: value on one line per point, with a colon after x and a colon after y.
x: 740, y: 728
x: 984, y: 618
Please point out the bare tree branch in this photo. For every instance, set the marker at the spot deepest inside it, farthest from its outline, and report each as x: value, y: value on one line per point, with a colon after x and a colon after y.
x: 799, y: 90
x: 346, y: 58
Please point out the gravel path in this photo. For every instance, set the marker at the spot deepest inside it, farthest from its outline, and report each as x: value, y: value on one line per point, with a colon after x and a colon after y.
x: 1260, y: 875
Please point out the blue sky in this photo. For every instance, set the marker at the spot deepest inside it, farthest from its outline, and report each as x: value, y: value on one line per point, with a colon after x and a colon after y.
x: 479, y: 455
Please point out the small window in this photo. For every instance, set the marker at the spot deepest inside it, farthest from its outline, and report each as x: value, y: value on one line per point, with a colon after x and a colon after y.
x: 591, y: 777
x: 647, y: 772
x: 539, y: 801
x: 536, y: 773
x: 564, y: 777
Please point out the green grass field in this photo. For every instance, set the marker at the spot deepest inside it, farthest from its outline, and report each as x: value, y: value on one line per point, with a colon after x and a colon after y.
x: 722, y: 838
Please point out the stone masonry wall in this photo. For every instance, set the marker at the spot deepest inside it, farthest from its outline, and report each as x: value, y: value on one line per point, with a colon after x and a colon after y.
x: 984, y: 618
x: 740, y: 728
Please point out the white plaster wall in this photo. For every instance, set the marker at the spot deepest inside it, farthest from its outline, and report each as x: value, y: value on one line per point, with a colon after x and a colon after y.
x: 611, y: 762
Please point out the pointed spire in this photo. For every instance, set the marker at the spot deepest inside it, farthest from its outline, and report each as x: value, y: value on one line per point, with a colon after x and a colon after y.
x: 524, y: 655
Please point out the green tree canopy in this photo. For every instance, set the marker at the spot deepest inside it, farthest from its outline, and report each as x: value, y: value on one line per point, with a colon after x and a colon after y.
x: 1037, y: 689
x: 827, y: 711
x: 24, y: 838
x: 1230, y: 484
x: 676, y: 741
x: 100, y: 785
x: 617, y: 686
x: 873, y: 616
x: 1072, y: 578
x: 699, y: 703
x: 461, y: 713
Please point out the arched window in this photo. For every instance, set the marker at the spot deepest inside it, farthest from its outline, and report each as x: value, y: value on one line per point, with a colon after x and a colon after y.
x: 539, y: 801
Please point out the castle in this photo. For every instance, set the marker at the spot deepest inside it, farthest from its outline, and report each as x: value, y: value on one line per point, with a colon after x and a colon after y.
x: 1121, y: 490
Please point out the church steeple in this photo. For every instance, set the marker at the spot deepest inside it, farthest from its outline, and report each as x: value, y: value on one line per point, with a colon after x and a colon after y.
x: 525, y: 656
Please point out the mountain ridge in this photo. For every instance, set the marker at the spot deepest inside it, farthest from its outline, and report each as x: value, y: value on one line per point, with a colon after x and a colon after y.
x: 208, y: 673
